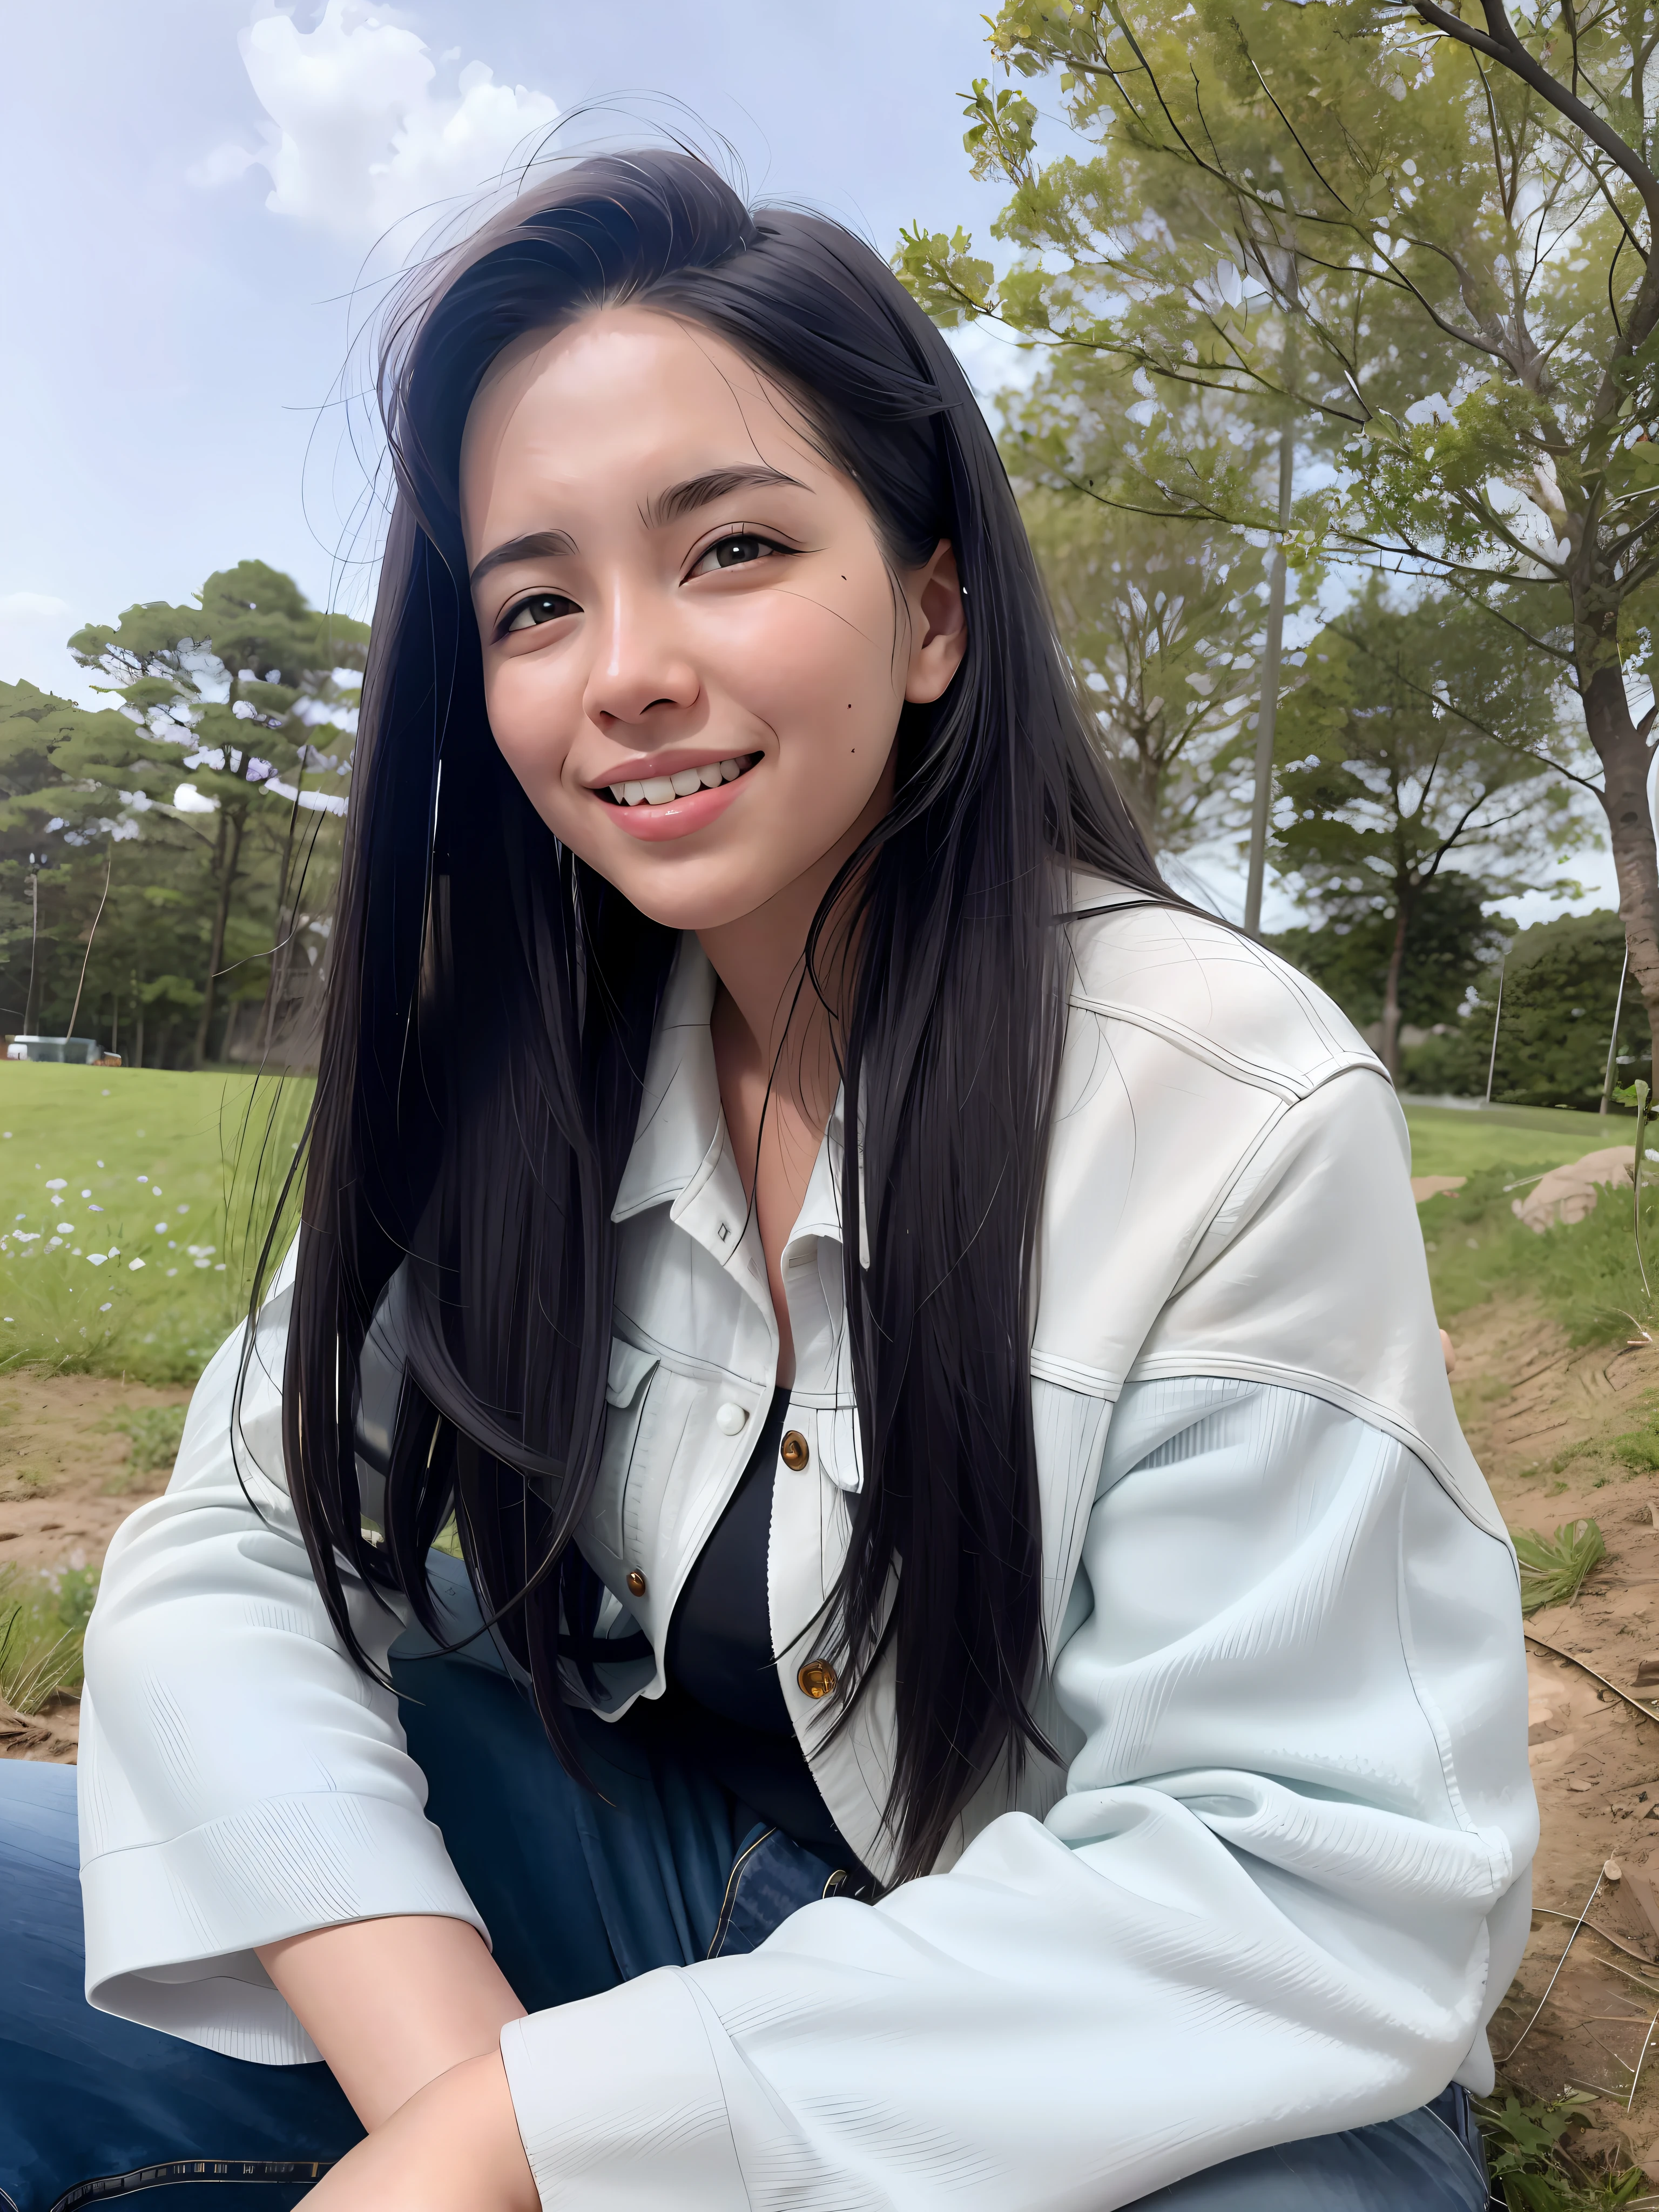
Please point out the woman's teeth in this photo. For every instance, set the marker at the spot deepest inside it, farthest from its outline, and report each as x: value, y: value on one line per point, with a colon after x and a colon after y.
x: 657, y: 790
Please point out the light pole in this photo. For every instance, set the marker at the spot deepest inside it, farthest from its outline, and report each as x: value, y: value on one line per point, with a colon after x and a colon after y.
x: 1267, y: 714
x: 1497, y: 1017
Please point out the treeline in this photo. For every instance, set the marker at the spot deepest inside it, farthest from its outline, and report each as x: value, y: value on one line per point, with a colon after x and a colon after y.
x: 166, y: 859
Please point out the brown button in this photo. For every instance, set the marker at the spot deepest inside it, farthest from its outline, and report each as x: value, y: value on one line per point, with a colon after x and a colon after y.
x: 794, y: 1453
x: 817, y: 1678
x: 636, y: 1582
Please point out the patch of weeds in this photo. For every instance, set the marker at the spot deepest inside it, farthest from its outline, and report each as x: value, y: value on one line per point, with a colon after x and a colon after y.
x: 1586, y: 1273
x: 1638, y: 1450
x: 1531, y: 2164
x: 156, y: 1431
x: 42, y: 1621
x: 1555, y: 1490
x: 1553, y: 1572
x: 1564, y: 1459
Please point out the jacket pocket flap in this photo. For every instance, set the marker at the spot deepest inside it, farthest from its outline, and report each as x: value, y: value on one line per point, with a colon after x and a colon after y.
x: 629, y: 1368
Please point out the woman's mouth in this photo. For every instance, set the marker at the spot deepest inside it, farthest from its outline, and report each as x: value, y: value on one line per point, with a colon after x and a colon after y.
x: 658, y: 810
x: 663, y: 790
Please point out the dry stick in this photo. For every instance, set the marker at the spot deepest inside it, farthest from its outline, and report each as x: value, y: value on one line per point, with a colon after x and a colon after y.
x: 1549, y: 1912
x: 1554, y: 1978
x: 1642, y: 2061
x: 1572, y: 1659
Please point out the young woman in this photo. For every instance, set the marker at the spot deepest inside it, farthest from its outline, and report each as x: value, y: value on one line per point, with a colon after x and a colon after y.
x: 984, y: 1672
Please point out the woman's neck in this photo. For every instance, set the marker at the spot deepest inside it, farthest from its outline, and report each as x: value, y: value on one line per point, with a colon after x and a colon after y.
x: 769, y: 1009
x: 775, y: 1040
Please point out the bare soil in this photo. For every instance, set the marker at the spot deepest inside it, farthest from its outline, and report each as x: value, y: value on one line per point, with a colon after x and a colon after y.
x: 65, y: 1487
x: 1541, y: 1417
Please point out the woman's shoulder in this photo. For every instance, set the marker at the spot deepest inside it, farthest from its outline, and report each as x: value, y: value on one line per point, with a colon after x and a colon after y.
x: 1204, y: 988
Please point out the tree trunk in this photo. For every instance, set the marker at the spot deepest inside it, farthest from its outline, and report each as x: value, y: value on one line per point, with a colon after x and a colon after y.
x: 1391, y: 991
x: 231, y: 852
x: 1624, y: 757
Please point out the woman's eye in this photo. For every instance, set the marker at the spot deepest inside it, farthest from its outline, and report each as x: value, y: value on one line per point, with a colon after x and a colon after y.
x: 541, y: 607
x: 735, y: 552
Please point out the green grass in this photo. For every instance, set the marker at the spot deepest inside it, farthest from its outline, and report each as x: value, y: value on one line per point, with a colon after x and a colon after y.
x: 1587, y: 1275
x: 1554, y: 1570
x: 42, y: 1621
x: 170, y: 1177
x: 1451, y: 1140
x: 1529, y: 2158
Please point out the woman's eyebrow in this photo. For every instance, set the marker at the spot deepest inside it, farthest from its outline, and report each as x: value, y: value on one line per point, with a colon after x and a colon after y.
x: 539, y: 545
x: 681, y: 498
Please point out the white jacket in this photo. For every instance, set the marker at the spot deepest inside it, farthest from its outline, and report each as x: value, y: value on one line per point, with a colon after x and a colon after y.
x: 1283, y: 1879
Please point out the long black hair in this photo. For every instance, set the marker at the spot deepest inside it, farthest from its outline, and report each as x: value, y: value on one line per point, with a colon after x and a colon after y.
x: 492, y: 1001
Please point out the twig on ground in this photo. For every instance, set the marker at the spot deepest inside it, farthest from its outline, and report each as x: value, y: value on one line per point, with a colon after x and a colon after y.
x: 1573, y: 1660
x: 1555, y: 1976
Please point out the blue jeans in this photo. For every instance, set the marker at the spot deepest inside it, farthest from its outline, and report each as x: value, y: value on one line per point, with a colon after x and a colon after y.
x: 579, y: 1892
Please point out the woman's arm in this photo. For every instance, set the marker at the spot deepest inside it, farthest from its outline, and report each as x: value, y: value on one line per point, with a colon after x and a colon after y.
x: 1284, y: 1890
x: 454, y: 2145
x: 241, y: 1782
x: 391, y: 2004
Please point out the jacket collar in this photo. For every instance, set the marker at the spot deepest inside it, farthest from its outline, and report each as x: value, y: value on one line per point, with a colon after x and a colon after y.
x: 680, y: 1119
x: 681, y: 1136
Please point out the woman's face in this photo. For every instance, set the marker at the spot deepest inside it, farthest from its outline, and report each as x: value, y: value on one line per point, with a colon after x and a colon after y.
x: 694, y: 654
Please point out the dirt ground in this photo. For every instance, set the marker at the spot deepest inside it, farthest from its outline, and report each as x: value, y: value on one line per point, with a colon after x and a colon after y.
x: 65, y: 1487
x: 1527, y: 1400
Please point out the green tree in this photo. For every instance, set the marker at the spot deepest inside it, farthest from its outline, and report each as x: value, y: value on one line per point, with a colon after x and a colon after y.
x: 1425, y: 242
x: 242, y: 687
x: 1162, y: 618
x: 1414, y: 734
x: 1452, y: 940
x: 223, y: 705
x: 1560, y: 983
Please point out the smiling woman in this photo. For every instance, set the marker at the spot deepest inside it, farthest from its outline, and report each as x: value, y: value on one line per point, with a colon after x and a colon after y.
x: 973, y: 1664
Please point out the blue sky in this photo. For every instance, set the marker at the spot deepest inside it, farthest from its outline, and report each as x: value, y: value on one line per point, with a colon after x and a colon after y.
x: 202, y: 196
x: 194, y: 190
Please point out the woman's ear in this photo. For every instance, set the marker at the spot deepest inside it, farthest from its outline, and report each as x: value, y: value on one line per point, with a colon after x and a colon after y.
x: 939, y: 636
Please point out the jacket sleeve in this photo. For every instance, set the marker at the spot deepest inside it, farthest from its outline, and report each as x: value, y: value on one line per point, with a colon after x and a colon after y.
x: 215, y: 1817
x: 1284, y: 1887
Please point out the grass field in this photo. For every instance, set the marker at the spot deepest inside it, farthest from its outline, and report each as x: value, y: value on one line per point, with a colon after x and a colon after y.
x: 1590, y: 1275
x: 132, y: 1202
x: 1458, y: 1140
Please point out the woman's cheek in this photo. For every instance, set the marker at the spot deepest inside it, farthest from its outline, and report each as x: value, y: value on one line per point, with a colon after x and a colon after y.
x: 529, y: 720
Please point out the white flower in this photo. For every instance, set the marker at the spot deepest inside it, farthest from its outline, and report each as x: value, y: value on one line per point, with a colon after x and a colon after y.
x: 56, y: 1182
x: 96, y: 1259
x: 133, y: 1265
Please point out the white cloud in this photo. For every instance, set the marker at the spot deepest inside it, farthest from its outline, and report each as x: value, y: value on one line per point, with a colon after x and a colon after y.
x: 358, y: 135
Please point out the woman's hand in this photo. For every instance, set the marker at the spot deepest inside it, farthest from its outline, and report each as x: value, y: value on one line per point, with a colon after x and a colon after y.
x: 454, y: 2147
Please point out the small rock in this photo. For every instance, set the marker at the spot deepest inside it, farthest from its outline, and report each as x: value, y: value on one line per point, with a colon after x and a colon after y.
x: 1580, y: 1786
x: 1612, y: 1871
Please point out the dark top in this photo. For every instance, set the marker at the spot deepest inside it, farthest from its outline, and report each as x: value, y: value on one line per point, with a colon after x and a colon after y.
x: 724, y: 1707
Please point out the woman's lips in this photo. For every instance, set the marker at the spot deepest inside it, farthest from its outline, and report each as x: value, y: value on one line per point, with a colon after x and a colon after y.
x: 658, y: 819
x: 674, y: 818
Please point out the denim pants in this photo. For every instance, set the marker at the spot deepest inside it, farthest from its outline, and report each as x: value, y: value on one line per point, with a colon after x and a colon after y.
x: 579, y: 1891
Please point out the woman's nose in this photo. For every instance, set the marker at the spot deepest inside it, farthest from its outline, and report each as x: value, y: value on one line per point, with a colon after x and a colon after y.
x: 640, y: 665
